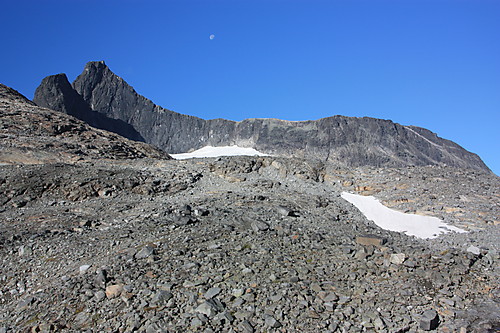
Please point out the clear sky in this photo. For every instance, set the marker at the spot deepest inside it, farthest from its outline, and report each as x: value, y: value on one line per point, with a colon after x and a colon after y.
x: 429, y: 63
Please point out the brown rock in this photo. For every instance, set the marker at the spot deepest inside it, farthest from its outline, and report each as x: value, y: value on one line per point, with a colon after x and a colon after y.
x: 114, y: 290
x: 370, y: 240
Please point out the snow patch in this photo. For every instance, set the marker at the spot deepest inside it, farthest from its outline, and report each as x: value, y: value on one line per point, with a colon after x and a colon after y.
x: 423, y: 137
x: 210, y: 151
x: 425, y: 227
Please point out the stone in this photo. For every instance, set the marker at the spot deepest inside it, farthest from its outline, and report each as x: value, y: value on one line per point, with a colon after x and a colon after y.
x: 100, y: 295
x: 224, y: 317
x: 474, y: 250
x: 212, y: 292
x: 145, y: 252
x: 410, y: 263
x: 25, y: 302
x: 114, y: 290
x: 243, y: 314
x: 238, y: 292
x: 162, y: 296
x: 379, y: 323
x: 397, y: 258
x: 84, y: 268
x: 313, y: 314
x: 344, y: 299
x: 329, y: 306
x: 196, y: 322
x: 259, y: 226
x: 246, y: 271
x: 429, y: 320
x: 24, y: 251
x: 283, y: 211
x: 271, y: 322
x: 331, y: 297
x: 207, y: 308
x: 370, y: 240
x: 182, y: 220
x: 101, y: 278
x: 82, y: 319
x: 86, y: 223
x: 316, y: 287
x: 246, y: 327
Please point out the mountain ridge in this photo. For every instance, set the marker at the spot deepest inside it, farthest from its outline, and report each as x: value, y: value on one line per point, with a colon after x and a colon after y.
x: 349, y: 140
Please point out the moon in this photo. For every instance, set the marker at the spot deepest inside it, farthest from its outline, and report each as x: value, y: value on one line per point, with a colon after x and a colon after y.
x: 212, y: 36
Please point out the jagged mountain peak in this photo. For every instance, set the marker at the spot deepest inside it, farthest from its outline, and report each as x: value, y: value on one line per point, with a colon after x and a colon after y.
x: 97, y: 64
x: 56, y: 93
x: 60, y: 78
x: 96, y: 67
x: 92, y: 76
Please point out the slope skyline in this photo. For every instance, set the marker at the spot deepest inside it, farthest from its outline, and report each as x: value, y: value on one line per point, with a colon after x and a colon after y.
x: 428, y: 64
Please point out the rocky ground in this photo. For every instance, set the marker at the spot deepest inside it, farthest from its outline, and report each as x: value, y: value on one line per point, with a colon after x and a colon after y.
x: 464, y: 198
x: 241, y: 244
x: 102, y: 234
x: 30, y: 135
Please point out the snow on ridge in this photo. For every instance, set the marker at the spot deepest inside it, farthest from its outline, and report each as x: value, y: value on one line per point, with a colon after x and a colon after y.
x: 210, y: 151
x: 425, y: 227
x: 423, y: 137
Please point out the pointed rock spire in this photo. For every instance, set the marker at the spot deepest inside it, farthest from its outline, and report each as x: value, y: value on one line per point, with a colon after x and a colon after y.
x: 56, y: 93
x: 92, y: 76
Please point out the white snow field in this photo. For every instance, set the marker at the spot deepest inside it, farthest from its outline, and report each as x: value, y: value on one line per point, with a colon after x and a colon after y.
x: 210, y: 151
x: 425, y: 227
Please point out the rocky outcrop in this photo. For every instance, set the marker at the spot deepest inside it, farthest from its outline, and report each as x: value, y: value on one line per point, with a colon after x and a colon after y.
x: 56, y: 93
x: 30, y: 134
x: 351, y: 141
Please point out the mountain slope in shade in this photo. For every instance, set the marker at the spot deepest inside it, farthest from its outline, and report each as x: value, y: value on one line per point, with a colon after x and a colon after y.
x: 347, y: 140
x: 56, y: 93
x: 30, y: 134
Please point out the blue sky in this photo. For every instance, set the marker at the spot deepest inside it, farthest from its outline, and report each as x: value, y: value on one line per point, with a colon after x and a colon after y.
x: 429, y: 63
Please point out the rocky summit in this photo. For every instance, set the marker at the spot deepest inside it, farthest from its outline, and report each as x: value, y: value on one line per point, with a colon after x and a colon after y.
x: 102, y: 234
x: 346, y: 140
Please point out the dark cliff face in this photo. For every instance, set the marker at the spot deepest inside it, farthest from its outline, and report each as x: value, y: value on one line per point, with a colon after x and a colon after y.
x: 56, y: 93
x: 352, y: 141
x: 110, y: 95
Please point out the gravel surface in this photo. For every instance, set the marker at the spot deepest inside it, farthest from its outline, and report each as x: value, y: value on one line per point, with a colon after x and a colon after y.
x: 242, y: 244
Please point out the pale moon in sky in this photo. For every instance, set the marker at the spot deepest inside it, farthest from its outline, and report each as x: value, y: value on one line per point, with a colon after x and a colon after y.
x: 212, y: 36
